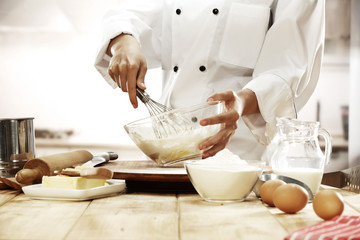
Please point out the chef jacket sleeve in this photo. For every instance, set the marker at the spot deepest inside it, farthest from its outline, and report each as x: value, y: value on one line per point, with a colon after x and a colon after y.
x: 288, y: 67
x: 140, y: 18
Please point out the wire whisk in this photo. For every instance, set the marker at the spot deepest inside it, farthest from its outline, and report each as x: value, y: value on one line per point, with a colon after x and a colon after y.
x: 164, y: 125
x: 153, y: 107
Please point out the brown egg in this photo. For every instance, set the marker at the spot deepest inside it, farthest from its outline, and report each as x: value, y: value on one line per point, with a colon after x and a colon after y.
x: 328, y: 204
x: 267, y: 190
x: 290, y: 198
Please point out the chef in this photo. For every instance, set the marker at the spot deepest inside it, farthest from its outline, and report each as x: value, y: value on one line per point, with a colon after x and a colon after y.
x: 262, y: 58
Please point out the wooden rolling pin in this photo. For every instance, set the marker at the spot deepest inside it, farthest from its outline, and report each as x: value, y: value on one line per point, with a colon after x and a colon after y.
x: 36, y: 168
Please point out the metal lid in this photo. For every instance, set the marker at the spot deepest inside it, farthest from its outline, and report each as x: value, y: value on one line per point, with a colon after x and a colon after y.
x: 16, y: 119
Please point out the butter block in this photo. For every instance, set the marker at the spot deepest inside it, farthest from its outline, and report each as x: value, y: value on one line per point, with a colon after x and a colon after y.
x: 68, y: 182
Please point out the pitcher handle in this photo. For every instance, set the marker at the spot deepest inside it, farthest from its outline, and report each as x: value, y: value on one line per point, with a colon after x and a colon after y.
x: 328, y: 147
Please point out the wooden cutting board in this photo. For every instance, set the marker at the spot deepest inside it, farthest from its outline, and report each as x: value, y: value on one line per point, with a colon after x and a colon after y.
x: 147, y: 170
x: 146, y: 176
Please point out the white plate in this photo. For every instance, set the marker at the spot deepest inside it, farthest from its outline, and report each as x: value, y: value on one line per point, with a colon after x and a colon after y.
x: 37, y: 192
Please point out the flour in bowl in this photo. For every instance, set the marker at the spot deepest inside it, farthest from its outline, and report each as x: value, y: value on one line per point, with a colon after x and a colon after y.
x: 224, y: 177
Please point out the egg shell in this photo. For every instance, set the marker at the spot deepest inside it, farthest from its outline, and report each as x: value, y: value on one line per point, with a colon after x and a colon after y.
x: 267, y: 190
x: 328, y: 204
x: 290, y: 198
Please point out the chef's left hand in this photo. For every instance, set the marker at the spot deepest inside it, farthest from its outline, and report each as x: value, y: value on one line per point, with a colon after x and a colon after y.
x: 237, y: 104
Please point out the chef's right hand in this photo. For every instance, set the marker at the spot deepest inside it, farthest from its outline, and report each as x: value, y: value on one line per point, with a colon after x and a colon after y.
x: 127, y: 65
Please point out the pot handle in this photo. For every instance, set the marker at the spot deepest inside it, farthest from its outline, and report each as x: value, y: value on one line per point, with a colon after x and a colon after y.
x: 328, y: 146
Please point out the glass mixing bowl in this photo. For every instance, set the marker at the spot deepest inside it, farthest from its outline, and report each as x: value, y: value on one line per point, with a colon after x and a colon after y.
x: 175, y: 135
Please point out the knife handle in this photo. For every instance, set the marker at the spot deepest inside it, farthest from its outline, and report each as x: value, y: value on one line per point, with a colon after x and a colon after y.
x: 107, y: 155
x: 113, y: 155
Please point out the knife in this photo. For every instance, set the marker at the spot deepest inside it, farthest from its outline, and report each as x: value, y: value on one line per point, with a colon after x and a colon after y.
x: 348, y: 179
x: 100, y: 159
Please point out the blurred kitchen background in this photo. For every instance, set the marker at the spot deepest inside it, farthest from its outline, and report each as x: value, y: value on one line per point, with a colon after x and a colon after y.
x: 47, y: 50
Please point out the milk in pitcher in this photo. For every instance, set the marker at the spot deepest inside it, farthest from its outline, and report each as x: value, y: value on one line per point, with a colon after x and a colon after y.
x: 310, y: 176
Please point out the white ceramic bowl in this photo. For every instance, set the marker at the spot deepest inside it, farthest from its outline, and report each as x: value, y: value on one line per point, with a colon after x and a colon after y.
x: 224, y: 182
x: 175, y: 135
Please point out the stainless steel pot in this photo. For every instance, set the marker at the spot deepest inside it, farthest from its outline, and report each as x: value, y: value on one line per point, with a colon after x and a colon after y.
x: 17, y: 144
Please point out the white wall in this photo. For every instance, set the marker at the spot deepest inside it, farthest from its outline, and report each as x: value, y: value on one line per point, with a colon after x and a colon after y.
x: 354, y: 132
x: 47, y: 71
x: 331, y: 93
x: 47, y: 52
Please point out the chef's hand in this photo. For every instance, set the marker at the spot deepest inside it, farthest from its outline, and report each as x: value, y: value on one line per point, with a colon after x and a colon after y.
x: 127, y: 65
x: 237, y: 104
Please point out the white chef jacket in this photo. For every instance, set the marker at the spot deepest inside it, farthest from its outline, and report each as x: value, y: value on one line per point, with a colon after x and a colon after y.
x: 273, y: 48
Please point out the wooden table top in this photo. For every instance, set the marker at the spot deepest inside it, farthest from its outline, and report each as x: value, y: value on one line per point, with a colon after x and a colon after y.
x: 151, y: 216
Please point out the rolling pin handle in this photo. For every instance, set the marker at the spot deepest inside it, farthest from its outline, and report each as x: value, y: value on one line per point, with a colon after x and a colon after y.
x: 28, y: 175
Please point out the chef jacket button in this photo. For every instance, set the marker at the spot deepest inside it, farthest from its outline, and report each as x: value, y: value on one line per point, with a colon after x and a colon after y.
x: 178, y: 11
x: 215, y: 11
x: 176, y: 68
x: 202, y: 68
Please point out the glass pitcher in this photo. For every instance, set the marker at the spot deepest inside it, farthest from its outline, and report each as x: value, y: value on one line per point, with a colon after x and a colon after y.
x: 298, y: 154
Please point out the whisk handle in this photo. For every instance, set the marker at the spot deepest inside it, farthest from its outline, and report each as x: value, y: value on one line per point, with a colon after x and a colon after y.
x: 142, y: 95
